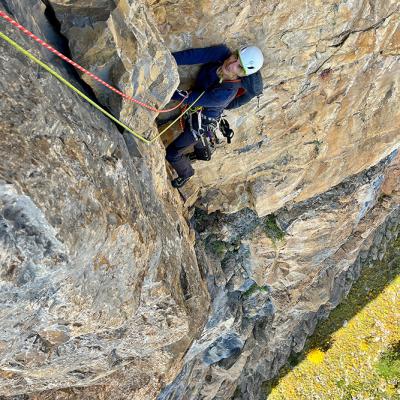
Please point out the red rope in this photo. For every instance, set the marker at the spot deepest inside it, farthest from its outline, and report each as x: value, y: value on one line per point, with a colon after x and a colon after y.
x: 85, y: 71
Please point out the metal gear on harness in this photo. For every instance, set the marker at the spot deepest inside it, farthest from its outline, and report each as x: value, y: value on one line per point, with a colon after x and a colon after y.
x: 203, y: 129
x: 226, y: 130
x: 183, y: 93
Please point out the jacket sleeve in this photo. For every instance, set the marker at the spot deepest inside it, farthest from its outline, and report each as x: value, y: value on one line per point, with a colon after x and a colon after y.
x: 239, y: 101
x: 202, y: 56
x: 218, y: 97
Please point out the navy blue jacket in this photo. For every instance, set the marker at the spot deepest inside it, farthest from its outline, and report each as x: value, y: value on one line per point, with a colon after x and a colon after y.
x: 217, y: 95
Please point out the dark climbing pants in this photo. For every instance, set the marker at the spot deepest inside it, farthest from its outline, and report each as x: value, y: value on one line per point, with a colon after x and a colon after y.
x: 179, y: 161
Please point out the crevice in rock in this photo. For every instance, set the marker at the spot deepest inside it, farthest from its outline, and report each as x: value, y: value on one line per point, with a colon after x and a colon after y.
x: 65, y: 49
x: 343, y: 36
x: 6, y: 7
x: 184, y: 284
x: 346, y: 34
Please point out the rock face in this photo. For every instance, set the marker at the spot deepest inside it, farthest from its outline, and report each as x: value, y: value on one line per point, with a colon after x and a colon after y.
x: 331, y: 79
x: 119, y: 41
x: 270, y: 293
x: 108, y: 291
x: 98, y: 270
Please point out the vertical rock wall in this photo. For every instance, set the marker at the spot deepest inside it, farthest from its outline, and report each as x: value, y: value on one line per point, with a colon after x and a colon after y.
x: 331, y: 95
x: 98, y: 272
x: 270, y: 291
x: 103, y: 294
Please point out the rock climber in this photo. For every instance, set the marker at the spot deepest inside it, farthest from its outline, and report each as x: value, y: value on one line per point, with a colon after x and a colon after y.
x: 229, y: 80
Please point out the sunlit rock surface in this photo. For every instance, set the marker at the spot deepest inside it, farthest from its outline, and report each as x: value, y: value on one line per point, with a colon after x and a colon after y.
x: 111, y: 288
x: 98, y: 270
x: 270, y: 293
x: 330, y: 103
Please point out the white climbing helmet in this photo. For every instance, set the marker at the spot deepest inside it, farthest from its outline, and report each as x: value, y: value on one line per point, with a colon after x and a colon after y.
x: 251, y: 59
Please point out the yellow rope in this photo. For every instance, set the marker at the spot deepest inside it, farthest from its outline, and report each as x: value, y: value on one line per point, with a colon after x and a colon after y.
x: 94, y: 104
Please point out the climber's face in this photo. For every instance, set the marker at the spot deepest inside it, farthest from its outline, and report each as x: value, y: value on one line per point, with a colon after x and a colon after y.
x: 232, y: 67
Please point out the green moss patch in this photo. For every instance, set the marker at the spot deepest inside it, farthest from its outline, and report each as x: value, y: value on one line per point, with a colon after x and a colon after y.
x: 255, y: 289
x: 389, y: 364
x: 271, y: 228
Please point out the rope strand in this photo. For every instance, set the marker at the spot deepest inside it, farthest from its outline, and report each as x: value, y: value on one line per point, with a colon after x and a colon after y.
x: 80, y: 68
x: 94, y: 104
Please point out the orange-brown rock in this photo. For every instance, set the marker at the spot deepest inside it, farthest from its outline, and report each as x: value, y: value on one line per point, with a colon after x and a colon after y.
x: 115, y: 286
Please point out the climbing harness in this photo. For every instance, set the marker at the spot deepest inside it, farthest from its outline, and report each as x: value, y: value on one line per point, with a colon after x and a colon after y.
x: 80, y: 93
x: 204, y: 129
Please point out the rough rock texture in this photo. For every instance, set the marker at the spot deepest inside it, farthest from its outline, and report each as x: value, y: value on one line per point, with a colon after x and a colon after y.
x: 331, y: 80
x: 104, y: 293
x: 98, y: 270
x: 269, y: 294
x: 119, y: 41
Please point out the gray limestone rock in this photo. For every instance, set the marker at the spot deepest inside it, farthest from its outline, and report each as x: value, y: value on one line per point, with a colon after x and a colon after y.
x: 103, y: 292
x: 89, y: 247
